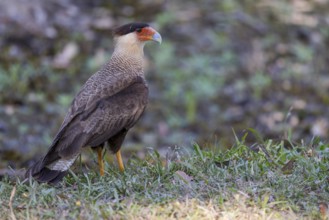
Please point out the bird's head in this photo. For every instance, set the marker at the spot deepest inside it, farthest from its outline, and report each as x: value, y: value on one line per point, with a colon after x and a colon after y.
x: 133, y: 36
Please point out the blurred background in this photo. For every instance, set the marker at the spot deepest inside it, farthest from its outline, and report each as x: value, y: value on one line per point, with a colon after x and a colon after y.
x: 224, y: 66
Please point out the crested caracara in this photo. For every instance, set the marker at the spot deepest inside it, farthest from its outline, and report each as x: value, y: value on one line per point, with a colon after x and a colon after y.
x: 108, y: 105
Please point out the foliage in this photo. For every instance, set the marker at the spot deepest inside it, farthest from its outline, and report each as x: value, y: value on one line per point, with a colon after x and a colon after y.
x: 222, y: 65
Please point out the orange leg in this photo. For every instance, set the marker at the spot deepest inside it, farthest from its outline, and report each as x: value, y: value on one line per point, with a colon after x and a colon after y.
x: 100, y: 161
x: 119, y: 158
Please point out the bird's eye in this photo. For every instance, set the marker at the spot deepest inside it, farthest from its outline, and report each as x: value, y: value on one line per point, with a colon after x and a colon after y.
x: 139, y: 30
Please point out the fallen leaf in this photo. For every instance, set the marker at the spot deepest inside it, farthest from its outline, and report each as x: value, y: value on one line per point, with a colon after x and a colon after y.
x: 182, y: 175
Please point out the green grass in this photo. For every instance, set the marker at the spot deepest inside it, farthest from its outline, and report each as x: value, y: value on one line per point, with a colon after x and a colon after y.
x: 273, y: 180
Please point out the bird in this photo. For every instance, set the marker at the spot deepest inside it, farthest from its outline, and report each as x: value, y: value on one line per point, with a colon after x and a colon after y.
x: 107, y: 106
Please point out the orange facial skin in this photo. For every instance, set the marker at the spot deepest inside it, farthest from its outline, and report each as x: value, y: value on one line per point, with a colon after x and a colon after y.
x: 148, y: 33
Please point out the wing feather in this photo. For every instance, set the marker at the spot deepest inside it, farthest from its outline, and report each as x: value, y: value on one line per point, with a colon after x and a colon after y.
x: 107, y: 116
x: 91, y: 124
x: 117, y: 112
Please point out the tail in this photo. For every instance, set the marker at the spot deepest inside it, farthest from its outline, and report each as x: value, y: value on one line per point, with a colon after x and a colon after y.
x: 60, y: 156
x: 43, y: 174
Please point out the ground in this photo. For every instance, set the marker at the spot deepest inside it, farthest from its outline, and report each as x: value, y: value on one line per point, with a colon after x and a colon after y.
x: 271, y: 180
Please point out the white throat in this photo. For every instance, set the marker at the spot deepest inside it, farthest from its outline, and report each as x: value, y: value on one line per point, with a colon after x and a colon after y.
x: 130, y: 45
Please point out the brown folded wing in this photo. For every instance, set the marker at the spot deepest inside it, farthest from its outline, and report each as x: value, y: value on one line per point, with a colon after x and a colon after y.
x: 103, y: 119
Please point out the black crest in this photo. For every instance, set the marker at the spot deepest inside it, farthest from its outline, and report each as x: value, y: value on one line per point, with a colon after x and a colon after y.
x: 128, y: 28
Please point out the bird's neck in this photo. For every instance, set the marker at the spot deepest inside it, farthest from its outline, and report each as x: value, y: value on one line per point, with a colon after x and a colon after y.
x: 127, y: 61
x: 129, y: 55
x: 131, y: 50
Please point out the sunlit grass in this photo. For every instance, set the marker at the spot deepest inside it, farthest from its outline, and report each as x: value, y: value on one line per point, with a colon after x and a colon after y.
x: 265, y: 181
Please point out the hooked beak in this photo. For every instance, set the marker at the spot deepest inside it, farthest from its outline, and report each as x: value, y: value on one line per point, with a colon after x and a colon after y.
x: 148, y: 34
x: 157, y: 37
